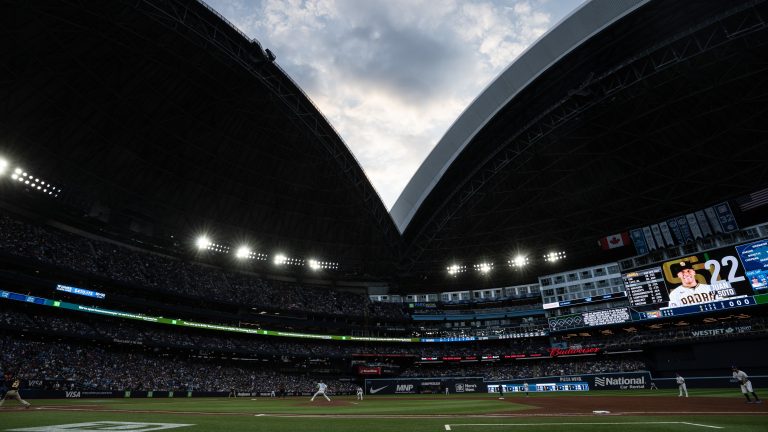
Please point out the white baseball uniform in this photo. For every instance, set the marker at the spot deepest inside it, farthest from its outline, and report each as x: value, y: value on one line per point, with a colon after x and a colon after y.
x: 743, y: 379
x: 359, y: 393
x: 681, y: 385
x: 682, y: 296
x: 321, y: 387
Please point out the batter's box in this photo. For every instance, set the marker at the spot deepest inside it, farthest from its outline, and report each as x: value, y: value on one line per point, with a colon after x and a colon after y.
x: 104, y: 426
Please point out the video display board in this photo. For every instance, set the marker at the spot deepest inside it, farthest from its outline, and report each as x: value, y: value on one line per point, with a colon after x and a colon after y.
x: 594, y: 318
x: 707, y: 281
x: 754, y: 257
x: 645, y: 287
x: 80, y: 291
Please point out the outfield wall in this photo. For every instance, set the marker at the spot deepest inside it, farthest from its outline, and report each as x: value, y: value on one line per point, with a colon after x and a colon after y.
x: 90, y: 394
x: 603, y: 381
x: 460, y: 385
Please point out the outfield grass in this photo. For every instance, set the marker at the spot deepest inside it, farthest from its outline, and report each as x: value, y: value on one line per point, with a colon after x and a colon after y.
x: 438, y: 413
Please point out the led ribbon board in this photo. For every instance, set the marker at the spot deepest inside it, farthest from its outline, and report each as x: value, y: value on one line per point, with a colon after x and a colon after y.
x: 184, y: 323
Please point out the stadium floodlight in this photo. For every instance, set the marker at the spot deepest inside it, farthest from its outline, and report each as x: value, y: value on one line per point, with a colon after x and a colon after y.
x: 203, y: 242
x: 484, y: 267
x: 519, y: 261
x: 3, y: 166
x: 314, y: 264
x: 455, y: 269
x: 554, y: 256
x: 280, y: 259
x: 243, y: 252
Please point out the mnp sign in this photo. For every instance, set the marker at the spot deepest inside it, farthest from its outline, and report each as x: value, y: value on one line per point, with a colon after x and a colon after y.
x: 424, y: 385
x: 385, y: 386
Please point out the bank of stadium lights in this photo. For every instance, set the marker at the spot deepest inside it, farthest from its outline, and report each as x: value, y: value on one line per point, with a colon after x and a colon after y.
x: 204, y: 243
x: 322, y: 265
x: 455, y: 269
x: 29, y: 181
x: 519, y: 261
x: 554, y: 256
x: 218, y: 248
x: 484, y: 267
x: 281, y: 259
x: 244, y: 252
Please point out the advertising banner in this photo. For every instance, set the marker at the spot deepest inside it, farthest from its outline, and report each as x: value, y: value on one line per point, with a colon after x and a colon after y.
x: 424, y: 385
x: 605, y: 381
x: 622, y: 381
x: 102, y: 394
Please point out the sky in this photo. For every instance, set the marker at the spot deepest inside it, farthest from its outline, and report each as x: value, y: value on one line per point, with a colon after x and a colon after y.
x: 391, y: 76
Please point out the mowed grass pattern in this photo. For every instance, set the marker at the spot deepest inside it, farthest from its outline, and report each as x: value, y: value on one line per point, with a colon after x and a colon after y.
x: 482, y: 413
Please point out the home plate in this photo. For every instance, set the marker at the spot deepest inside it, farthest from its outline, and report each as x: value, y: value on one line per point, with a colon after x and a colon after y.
x: 600, y: 412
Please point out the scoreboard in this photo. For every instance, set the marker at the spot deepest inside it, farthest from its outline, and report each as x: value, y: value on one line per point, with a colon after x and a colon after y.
x: 645, y: 287
x: 725, y: 278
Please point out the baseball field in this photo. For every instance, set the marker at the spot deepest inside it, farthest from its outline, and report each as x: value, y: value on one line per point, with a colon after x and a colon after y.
x: 638, y: 410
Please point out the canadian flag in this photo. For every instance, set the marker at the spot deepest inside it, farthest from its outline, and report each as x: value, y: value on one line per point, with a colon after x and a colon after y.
x: 614, y: 241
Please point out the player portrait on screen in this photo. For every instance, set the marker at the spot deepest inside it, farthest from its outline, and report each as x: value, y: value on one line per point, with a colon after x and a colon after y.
x: 690, y: 291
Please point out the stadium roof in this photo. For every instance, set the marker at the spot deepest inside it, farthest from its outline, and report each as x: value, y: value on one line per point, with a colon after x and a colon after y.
x: 160, y: 116
x: 626, y: 114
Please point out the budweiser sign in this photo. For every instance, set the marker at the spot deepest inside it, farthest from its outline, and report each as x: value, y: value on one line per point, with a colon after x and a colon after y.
x: 557, y: 352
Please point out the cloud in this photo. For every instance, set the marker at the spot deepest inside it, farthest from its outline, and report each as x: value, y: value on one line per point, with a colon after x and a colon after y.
x: 392, y: 75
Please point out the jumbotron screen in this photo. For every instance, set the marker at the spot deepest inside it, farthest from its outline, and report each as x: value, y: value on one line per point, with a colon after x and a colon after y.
x: 708, y: 281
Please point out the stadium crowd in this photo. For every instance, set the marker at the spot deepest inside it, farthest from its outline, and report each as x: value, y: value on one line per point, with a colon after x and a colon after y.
x: 92, y: 367
x: 86, y: 367
x: 160, y: 272
x: 542, y: 368
x: 139, y: 333
x: 752, y: 326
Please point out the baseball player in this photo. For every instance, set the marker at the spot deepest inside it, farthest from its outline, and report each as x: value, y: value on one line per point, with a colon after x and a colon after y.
x: 690, y: 290
x: 501, y: 391
x: 653, y: 386
x: 525, y: 387
x: 746, y: 385
x: 681, y: 385
x: 12, y: 384
x: 321, y: 387
x: 359, y: 393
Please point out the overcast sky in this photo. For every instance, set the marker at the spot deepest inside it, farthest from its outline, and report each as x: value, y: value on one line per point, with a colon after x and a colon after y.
x: 391, y: 76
